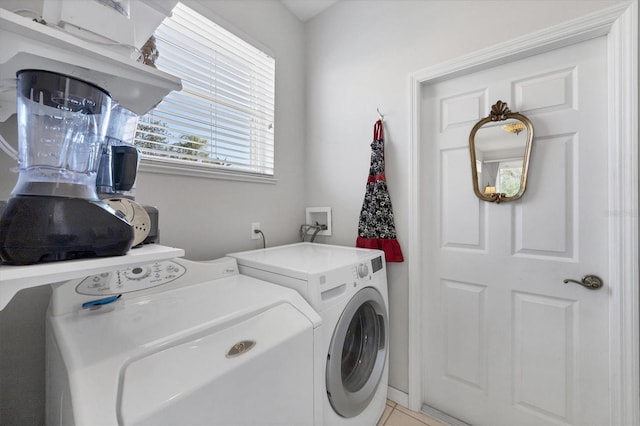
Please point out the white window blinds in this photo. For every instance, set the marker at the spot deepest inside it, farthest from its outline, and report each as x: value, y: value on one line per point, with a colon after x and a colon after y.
x: 223, y: 116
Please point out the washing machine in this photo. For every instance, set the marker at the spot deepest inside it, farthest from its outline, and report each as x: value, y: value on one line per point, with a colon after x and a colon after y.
x: 348, y: 288
x: 180, y: 342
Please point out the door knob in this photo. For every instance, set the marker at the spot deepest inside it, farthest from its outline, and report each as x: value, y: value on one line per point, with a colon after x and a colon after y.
x: 591, y: 282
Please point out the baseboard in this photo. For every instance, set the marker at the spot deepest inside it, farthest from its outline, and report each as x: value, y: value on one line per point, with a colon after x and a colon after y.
x: 402, y: 398
x: 397, y: 396
x: 442, y: 417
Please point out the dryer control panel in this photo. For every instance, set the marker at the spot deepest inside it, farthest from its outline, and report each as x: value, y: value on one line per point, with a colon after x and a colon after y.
x: 134, y: 278
x: 362, y: 269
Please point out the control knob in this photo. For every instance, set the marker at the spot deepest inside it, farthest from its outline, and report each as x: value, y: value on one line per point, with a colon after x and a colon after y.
x: 137, y: 273
x: 363, y: 270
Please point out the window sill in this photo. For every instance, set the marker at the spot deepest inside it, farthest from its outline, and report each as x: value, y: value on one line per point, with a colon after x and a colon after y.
x: 148, y: 165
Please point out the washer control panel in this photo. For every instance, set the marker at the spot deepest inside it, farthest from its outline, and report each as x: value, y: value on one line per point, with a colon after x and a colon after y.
x: 134, y: 278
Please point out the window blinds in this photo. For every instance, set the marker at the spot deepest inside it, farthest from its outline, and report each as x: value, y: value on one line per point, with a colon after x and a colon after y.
x: 223, y: 116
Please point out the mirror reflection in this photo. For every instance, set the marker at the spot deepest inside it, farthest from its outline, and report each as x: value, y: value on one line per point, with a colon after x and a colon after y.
x: 500, y: 146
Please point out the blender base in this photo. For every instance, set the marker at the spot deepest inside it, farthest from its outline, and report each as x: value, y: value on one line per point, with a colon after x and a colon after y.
x: 37, y: 229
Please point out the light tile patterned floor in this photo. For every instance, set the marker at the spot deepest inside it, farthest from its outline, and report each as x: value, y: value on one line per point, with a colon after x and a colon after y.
x: 397, y: 415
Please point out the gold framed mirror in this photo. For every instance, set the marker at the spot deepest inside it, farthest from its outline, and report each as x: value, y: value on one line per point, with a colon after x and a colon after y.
x: 500, y: 148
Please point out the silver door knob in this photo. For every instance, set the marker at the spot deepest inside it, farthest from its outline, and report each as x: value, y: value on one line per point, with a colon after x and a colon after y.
x: 591, y: 282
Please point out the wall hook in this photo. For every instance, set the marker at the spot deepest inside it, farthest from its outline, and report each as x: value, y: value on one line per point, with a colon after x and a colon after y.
x: 380, y: 114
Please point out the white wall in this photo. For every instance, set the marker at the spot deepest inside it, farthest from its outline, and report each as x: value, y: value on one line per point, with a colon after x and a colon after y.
x: 206, y: 217
x: 360, y: 54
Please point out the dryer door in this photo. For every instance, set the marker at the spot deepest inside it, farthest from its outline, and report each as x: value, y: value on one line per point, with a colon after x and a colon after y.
x: 357, y: 353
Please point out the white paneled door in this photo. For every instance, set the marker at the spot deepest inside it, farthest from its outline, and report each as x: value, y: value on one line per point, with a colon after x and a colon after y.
x: 506, y: 341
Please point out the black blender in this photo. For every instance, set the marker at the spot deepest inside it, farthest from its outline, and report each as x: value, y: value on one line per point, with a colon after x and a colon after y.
x: 54, y: 212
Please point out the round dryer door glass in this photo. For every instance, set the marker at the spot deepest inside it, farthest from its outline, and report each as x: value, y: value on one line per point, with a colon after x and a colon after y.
x: 357, y: 353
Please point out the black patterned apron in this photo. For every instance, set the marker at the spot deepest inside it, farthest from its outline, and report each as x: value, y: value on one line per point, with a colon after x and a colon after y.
x: 376, y: 228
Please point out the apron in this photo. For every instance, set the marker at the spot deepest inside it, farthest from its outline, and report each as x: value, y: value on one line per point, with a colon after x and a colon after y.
x: 376, y: 228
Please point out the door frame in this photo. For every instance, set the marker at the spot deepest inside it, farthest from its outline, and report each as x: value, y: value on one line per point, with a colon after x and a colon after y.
x: 619, y: 23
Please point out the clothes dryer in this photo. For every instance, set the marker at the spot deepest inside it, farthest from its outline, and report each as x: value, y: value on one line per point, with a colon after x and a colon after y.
x: 348, y: 288
x: 181, y: 342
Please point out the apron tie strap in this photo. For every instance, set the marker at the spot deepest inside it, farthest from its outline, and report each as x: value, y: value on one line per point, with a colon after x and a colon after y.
x: 378, y: 132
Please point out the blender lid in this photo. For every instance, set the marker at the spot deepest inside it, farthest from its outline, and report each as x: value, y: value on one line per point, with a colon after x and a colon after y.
x: 62, y: 91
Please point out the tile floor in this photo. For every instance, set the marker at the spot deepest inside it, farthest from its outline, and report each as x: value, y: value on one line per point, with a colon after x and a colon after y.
x: 397, y: 415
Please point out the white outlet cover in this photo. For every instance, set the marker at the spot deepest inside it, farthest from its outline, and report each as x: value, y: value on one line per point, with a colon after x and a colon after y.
x: 254, y: 226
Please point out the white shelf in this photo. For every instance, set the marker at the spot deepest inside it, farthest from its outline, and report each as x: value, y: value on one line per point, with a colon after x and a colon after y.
x: 29, y: 45
x: 16, y: 278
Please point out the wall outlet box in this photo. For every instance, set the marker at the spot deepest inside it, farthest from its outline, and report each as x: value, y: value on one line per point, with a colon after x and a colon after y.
x: 320, y: 215
x: 255, y: 226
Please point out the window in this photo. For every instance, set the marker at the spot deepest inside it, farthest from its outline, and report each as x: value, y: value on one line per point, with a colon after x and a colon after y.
x: 509, y: 177
x: 222, y: 119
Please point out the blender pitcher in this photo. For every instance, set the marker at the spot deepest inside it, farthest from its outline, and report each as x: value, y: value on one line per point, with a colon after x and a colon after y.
x: 54, y: 212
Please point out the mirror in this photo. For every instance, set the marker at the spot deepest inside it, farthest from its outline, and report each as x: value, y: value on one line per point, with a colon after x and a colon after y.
x: 500, y: 147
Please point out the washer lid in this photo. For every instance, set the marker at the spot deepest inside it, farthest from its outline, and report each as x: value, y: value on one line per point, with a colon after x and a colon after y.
x: 95, y: 345
x: 153, y: 320
x: 208, y: 379
x: 304, y: 259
